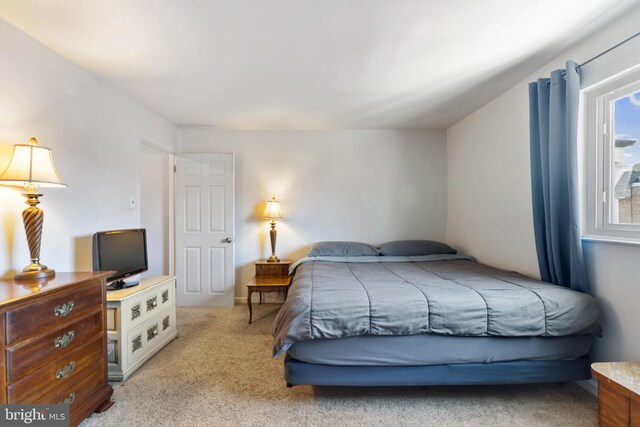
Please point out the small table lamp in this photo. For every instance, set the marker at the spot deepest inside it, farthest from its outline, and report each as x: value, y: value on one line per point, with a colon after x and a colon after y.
x: 31, y: 167
x: 273, y: 212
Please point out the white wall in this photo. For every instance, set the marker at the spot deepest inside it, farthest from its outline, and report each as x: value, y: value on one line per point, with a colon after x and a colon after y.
x: 489, y: 192
x: 94, y: 132
x: 371, y: 186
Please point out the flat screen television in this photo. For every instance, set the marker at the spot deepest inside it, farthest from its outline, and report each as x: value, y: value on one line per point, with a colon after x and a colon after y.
x: 122, y: 251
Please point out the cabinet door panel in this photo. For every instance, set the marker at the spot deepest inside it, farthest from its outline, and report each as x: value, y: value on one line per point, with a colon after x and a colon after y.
x: 634, y: 413
x: 613, y: 408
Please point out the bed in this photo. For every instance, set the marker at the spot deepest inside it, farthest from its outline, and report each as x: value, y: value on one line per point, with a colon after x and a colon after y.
x: 429, y: 320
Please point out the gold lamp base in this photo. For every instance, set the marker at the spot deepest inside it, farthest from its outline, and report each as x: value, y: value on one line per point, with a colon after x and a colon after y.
x: 35, y: 275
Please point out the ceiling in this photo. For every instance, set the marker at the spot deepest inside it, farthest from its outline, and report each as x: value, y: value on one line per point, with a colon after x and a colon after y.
x: 304, y: 64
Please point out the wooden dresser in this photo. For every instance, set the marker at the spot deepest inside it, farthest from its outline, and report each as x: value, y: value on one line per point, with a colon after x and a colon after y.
x: 54, y: 343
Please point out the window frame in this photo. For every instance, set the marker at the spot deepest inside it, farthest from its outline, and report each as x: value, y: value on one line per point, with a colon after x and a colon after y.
x: 599, y: 143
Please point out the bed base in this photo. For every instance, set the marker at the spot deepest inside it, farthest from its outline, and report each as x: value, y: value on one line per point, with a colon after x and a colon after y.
x: 518, y: 372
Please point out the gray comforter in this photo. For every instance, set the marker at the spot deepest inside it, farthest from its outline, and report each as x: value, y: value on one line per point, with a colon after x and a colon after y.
x: 441, y: 294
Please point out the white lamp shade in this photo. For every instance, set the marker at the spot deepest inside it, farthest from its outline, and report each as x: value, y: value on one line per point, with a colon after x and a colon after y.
x: 31, y: 165
x: 272, y: 211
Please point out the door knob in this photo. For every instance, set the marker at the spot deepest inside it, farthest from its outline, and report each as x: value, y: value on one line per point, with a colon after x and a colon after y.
x: 228, y: 240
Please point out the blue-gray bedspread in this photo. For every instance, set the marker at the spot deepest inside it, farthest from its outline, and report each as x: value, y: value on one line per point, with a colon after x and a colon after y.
x: 437, y: 294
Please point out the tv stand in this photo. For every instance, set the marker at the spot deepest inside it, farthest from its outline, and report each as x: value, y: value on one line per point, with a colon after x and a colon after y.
x: 121, y: 284
x: 140, y: 322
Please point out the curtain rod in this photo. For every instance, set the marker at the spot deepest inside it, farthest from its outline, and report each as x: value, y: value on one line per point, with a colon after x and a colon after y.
x: 607, y: 51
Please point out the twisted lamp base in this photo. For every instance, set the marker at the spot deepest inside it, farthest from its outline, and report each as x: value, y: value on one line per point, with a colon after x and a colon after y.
x: 33, y: 217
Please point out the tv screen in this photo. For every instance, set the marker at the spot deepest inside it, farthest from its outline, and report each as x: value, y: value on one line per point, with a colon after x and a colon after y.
x: 123, y: 251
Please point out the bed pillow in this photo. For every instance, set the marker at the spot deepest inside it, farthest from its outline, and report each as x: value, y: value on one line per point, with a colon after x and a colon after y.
x: 343, y: 249
x: 415, y: 248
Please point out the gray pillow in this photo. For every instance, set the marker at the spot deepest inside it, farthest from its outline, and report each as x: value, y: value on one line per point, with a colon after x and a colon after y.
x: 415, y: 248
x: 343, y: 249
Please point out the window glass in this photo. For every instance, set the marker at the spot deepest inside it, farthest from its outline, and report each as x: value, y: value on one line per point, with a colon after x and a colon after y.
x: 624, y: 194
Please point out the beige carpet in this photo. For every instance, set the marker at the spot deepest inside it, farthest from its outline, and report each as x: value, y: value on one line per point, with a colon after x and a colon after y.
x: 219, y: 372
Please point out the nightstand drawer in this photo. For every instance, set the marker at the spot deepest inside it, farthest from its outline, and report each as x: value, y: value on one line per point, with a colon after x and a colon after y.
x: 30, y: 320
x: 61, y: 371
x: 272, y: 270
x: 27, y: 356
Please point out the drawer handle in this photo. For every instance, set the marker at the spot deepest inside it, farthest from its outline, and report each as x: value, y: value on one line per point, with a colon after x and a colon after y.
x: 64, y: 309
x: 65, y: 371
x: 64, y: 340
x: 135, y: 311
x: 136, y: 343
x: 152, y: 303
x: 69, y: 399
x: 152, y: 332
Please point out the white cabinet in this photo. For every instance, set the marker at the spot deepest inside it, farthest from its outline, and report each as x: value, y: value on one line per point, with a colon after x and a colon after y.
x: 140, y: 322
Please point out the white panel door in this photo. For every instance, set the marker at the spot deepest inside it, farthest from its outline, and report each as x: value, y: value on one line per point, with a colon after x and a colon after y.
x: 205, y: 229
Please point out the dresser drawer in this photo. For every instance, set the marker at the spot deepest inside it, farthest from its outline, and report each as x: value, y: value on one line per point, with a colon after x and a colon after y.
x: 27, y: 321
x: 145, y: 338
x: 61, y: 371
x: 75, y: 393
x: 29, y: 355
x: 148, y: 304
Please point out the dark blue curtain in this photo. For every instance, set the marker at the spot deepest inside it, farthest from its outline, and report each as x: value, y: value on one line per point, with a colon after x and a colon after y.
x: 553, y: 115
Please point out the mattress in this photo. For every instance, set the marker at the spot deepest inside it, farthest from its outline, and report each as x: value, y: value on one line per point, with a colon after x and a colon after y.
x: 431, y: 349
x: 451, y: 295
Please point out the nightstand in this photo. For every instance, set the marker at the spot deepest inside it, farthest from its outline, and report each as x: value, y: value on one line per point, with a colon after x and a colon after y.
x: 270, y: 277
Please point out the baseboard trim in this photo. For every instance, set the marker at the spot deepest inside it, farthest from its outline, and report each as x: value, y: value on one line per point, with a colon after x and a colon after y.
x: 590, y: 385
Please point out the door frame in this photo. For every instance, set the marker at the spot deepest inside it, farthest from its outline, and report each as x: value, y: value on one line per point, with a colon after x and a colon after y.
x: 144, y: 140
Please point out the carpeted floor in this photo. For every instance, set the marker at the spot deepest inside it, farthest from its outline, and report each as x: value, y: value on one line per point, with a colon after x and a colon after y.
x: 219, y: 372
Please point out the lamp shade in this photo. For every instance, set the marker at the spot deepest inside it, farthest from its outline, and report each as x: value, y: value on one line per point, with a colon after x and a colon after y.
x: 31, y: 165
x: 272, y: 211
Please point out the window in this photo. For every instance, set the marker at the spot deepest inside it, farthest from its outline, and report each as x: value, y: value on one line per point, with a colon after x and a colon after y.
x: 624, y: 151
x: 612, y: 159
